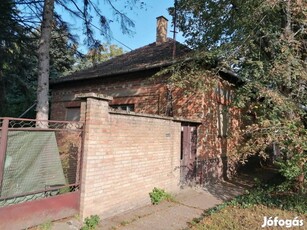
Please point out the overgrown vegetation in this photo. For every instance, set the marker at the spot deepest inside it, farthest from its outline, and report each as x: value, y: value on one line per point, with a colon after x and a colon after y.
x: 91, y: 223
x: 45, y: 226
x: 235, y: 217
x: 247, y: 211
x: 264, y: 43
x: 269, y: 196
x: 157, y: 195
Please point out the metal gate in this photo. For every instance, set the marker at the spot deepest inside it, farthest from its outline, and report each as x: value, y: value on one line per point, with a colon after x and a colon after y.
x: 39, y: 171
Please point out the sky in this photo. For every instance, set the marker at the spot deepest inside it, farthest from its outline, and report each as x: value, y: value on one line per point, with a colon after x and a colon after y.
x: 145, y: 24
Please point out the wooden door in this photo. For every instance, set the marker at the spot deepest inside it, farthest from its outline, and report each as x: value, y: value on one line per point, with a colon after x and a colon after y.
x: 188, y: 153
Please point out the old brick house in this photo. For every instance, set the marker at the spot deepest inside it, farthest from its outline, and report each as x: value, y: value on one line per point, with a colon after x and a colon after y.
x: 128, y: 78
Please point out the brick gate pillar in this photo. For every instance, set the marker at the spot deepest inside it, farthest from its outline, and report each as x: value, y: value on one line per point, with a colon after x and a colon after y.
x: 95, y: 114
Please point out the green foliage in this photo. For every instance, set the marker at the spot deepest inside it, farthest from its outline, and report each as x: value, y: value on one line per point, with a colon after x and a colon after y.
x: 294, y: 169
x: 124, y: 223
x: 91, y: 222
x: 269, y: 196
x: 18, y: 60
x: 260, y: 196
x: 45, y: 226
x: 95, y: 56
x: 157, y: 195
x: 236, y: 217
x: 264, y: 42
x: 63, y: 52
x: 18, y: 56
x: 64, y: 190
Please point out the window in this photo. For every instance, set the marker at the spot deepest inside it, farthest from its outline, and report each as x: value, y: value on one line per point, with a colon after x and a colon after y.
x: 222, y: 120
x: 124, y: 107
x: 72, y: 114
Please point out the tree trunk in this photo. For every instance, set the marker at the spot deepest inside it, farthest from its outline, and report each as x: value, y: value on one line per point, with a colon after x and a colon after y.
x: 42, y: 109
x: 3, y: 101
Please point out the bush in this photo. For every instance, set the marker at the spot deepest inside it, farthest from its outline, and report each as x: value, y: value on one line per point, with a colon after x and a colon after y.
x: 157, y: 195
x: 91, y: 222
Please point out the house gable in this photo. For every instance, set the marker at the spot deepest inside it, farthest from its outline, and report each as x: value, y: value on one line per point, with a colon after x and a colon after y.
x: 129, y: 80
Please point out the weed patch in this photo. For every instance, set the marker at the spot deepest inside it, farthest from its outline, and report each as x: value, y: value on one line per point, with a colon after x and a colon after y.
x: 91, y: 222
x: 236, y: 217
x: 247, y: 211
x: 45, y: 226
x: 157, y: 195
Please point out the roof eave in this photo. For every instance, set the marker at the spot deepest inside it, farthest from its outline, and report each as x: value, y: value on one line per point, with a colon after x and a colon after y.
x: 72, y: 78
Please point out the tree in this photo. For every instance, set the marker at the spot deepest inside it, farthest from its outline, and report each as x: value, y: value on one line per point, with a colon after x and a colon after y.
x: 83, y: 12
x: 18, y: 62
x: 264, y: 42
x: 95, y: 56
x: 16, y: 58
x: 63, y: 52
x: 20, y: 78
x: 103, y: 52
x: 42, y: 108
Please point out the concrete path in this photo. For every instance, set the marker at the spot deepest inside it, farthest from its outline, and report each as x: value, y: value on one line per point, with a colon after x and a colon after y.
x: 190, y: 203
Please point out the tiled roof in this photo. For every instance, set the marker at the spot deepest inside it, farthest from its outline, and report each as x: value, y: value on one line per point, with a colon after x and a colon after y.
x: 146, y: 57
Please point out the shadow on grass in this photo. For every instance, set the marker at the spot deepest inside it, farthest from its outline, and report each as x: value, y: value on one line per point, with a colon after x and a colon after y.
x: 242, y: 182
x: 262, y: 189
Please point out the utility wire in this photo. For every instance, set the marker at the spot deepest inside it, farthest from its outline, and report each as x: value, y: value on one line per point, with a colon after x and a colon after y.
x: 111, y: 37
x: 96, y: 27
x: 79, y: 16
x: 25, y: 112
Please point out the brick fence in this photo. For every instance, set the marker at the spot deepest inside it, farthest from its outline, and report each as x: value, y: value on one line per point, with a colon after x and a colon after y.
x: 126, y: 155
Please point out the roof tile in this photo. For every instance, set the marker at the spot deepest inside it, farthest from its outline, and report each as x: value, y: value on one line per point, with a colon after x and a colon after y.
x: 146, y: 57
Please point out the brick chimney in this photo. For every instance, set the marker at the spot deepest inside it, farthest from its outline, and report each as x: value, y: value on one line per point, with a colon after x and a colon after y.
x: 161, y: 30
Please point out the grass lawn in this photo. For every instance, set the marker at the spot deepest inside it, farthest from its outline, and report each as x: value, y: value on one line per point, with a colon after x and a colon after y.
x: 236, y: 217
x: 267, y: 199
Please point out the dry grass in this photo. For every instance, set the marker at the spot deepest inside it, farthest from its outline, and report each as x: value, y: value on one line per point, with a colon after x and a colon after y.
x: 234, y: 217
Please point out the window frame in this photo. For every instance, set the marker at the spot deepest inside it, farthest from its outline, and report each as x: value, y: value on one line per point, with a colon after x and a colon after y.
x: 71, y: 108
x: 124, y: 107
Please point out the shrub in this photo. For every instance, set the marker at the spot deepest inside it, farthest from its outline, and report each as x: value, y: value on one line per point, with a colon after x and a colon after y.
x: 157, y: 195
x: 91, y: 222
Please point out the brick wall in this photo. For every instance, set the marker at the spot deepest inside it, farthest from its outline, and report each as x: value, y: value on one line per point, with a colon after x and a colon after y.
x: 125, y: 157
x: 149, y: 95
x: 140, y: 89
